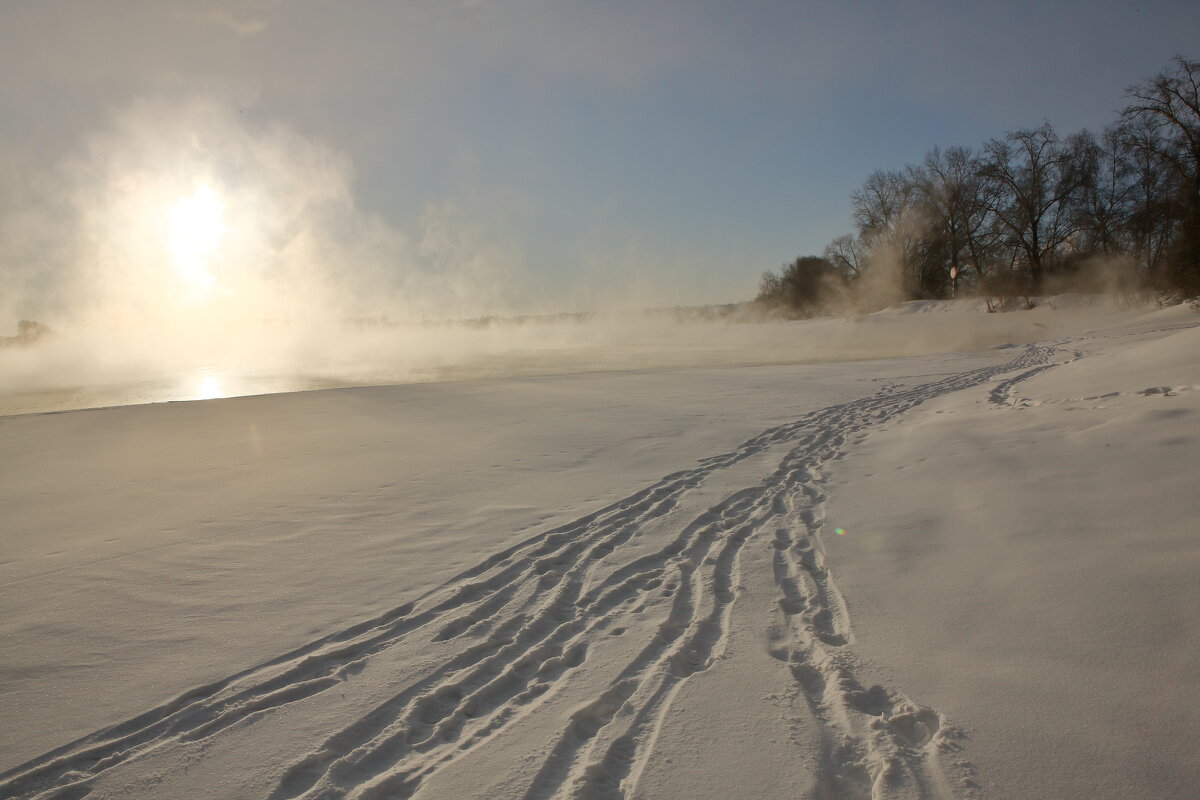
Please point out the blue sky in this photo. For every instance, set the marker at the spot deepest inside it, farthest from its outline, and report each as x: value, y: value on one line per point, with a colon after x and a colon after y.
x: 699, y: 142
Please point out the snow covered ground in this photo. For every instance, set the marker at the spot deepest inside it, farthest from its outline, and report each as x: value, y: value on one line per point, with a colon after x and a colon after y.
x: 957, y: 574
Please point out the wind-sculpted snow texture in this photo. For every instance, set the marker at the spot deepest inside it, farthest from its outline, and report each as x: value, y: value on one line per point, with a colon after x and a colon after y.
x: 506, y: 635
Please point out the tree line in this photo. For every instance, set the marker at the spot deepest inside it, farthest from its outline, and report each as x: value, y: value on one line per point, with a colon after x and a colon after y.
x: 1026, y: 213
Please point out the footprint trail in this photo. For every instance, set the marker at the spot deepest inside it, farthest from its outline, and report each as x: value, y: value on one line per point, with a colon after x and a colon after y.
x: 510, y: 632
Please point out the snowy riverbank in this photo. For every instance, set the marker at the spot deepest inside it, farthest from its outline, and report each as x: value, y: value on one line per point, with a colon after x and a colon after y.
x: 628, y: 583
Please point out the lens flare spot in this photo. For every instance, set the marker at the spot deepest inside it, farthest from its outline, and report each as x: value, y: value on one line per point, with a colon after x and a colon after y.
x: 839, y: 531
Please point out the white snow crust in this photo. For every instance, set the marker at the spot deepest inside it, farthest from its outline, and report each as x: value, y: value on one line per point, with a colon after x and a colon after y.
x: 951, y: 574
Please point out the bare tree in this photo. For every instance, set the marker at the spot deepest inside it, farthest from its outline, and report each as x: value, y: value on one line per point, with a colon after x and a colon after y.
x: 1151, y: 222
x: 770, y: 289
x: 883, y: 202
x: 1169, y: 105
x: 1103, y: 203
x: 848, y: 255
x: 891, y: 224
x: 1031, y: 202
x: 1038, y: 176
x: 959, y: 202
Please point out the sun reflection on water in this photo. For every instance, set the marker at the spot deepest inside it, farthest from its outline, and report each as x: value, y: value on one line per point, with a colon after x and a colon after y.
x: 207, y: 388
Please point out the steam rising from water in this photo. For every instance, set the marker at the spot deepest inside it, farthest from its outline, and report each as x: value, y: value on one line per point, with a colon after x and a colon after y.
x: 187, y: 253
x: 184, y: 236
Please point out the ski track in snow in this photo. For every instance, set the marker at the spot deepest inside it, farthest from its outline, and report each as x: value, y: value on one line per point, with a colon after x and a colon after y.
x: 525, y: 618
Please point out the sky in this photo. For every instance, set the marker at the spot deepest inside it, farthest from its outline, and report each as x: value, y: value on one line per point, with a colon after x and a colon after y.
x: 665, y: 151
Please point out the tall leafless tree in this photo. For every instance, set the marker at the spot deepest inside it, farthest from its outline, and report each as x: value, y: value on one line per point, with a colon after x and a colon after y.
x: 1103, y: 203
x: 1038, y: 177
x: 1152, y: 220
x: 958, y: 201
x: 891, y: 223
x: 1169, y: 105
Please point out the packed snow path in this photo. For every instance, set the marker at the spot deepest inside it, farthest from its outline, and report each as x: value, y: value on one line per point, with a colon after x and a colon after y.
x: 496, y: 643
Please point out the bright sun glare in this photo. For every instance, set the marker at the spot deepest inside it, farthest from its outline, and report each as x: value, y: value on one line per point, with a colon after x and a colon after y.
x: 207, y: 388
x: 196, y: 227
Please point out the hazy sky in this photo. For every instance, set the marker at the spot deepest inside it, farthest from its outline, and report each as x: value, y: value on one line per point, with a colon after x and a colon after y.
x: 704, y: 142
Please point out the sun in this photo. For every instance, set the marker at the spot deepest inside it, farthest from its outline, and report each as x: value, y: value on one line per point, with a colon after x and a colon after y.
x: 196, y: 226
